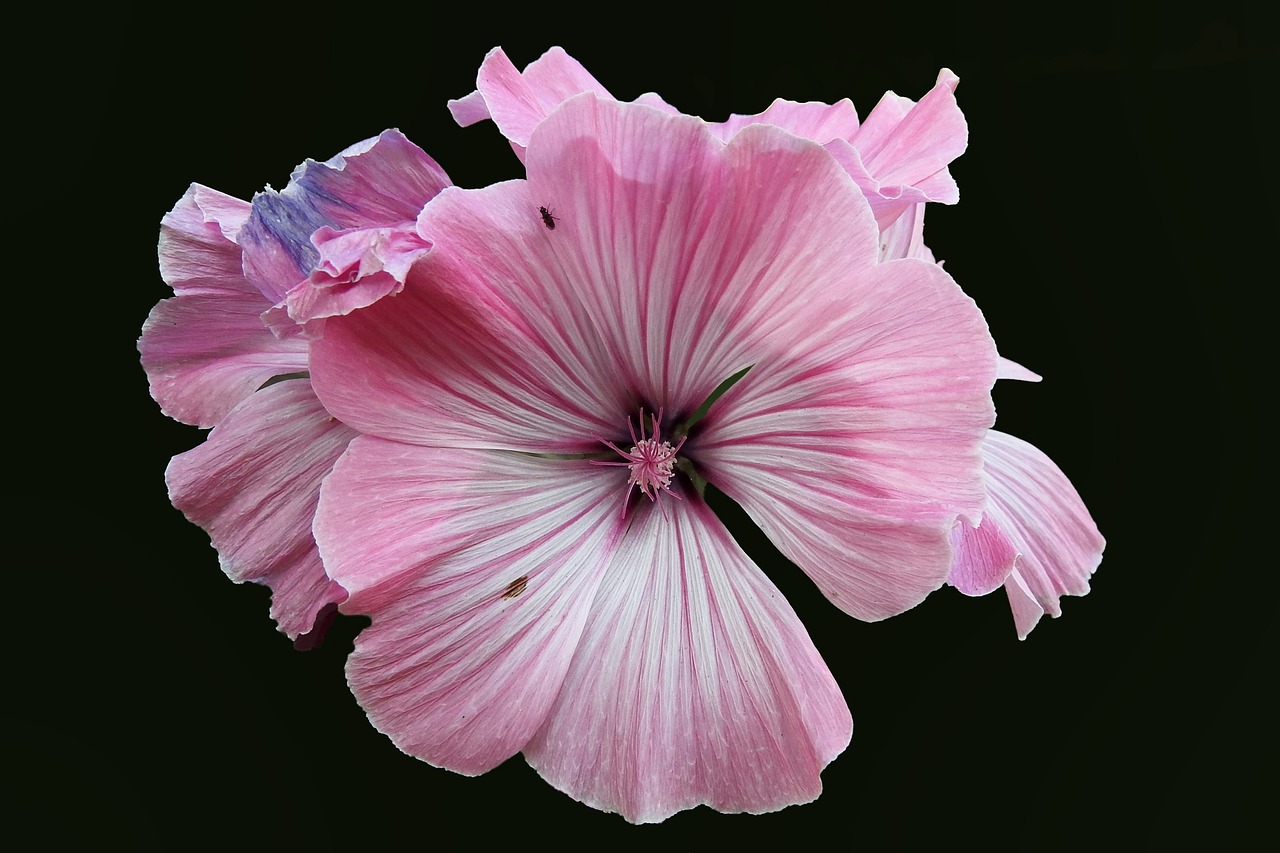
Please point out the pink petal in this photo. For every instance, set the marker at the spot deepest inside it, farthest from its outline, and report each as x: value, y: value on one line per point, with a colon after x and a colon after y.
x: 518, y: 101
x: 694, y: 683
x: 254, y: 485
x: 682, y: 250
x: 811, y: 120
x: 478, y: 569
x: 356, y: 268
x: 1035, y: 505
x: 904, y: 237
x: 984, y: 556
x: 206, y: 352
x: 856, y: 443
x: 903, y: 143
x: 198, y: 251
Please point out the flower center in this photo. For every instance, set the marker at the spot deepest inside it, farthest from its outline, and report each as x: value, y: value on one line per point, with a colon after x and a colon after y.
x: 650, y: 460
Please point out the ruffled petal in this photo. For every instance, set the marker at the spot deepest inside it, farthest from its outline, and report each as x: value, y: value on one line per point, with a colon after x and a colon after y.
x: 205, y: 353
x: 1034, y: 504
x: 198, y: 250
x: 478, y: 569
x: 382, y: 181
x: 518, y: 101
x: 254, y: 485
x: 904, y: 237
x: 694, y: 683
x: 355, y: 269
x: 856, y: 442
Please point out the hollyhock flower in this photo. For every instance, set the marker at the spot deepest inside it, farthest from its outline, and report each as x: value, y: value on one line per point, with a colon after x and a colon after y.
x: 212, y: 359
x: 528, y: 596
x: 898, y: 155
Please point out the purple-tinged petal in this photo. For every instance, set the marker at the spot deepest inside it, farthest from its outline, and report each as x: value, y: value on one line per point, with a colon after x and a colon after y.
x: 356, y: 268
x: 254, y: 485
x: 1012, y: 370
x: 694, y: 683
x: 204, y: 354
x: 1035, y: 505
x: 478, y: 569
x: 518, y: 101
x: 198, y: 250
x: 857, y: 442
x: 984, y: 557
x: 383, y: 181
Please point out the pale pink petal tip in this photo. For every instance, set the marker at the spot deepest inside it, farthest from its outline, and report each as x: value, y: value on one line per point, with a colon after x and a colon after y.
x: 253, y: 486
x: 983, y: 557
x: 356, y: 268
x: 1007, y: 369
x: 1035, y: 505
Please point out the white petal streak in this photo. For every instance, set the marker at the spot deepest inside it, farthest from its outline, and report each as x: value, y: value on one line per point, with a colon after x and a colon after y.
x: 683, y: 249
x: 254, y: 485
x: 478, y: 569
x: 694, y: 683
x: 1033, y: 502
x: 866, y: 413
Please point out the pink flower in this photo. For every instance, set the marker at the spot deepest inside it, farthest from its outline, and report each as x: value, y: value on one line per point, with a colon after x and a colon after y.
x: 898, y: 156
x: 212, y: 360
x: 638, y: 658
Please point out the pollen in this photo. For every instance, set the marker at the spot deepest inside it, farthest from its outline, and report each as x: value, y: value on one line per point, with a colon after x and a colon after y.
x: 650, y: 460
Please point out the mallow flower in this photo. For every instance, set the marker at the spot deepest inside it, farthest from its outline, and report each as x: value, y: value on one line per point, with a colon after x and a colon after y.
x: 898, y: 155
x: 221, y: 354
x: 522, y: 517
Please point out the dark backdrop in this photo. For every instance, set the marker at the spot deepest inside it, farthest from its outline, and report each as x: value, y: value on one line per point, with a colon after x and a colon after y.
x: 1113, y: 226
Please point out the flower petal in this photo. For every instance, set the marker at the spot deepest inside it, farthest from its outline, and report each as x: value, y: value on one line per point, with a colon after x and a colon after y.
x: 902, y: 143
x: 206, y: 352
x: 254, y: 485
x: 355, y: 269
x: 198, y: 250
x: 518, y: 101
x: 1035, y: 505
x: 984, y: 557
x: 1012, y: 370
x: 856, y: 442
x: 384, y: 180
x: 478, y: 569
x: 810, y: 120
x: 694, y: 683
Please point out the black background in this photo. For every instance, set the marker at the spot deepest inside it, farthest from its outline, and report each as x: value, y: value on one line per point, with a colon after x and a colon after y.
x: 1115, y: 224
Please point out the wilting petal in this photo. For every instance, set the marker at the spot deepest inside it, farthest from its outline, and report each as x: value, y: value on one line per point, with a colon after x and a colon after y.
x: 254, y: 485
x: 478, y: 569
x: 205, y: 353
x: 1035, y: 505
x: 381, y: 181
x: 694, y: 683
x: 517, y: 101
x: 356, y: 268
x: 857, y: 443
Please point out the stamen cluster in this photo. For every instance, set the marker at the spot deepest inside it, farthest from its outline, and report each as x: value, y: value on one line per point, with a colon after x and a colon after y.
x: 651, y: 461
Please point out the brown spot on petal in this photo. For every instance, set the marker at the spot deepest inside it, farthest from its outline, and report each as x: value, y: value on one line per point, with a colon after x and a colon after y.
x: 516, y: 587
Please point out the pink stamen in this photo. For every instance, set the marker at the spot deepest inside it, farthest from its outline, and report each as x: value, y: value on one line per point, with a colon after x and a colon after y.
x: 651, y: 460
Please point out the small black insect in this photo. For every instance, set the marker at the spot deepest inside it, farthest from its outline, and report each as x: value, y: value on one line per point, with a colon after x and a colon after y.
x: 548, y: 218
